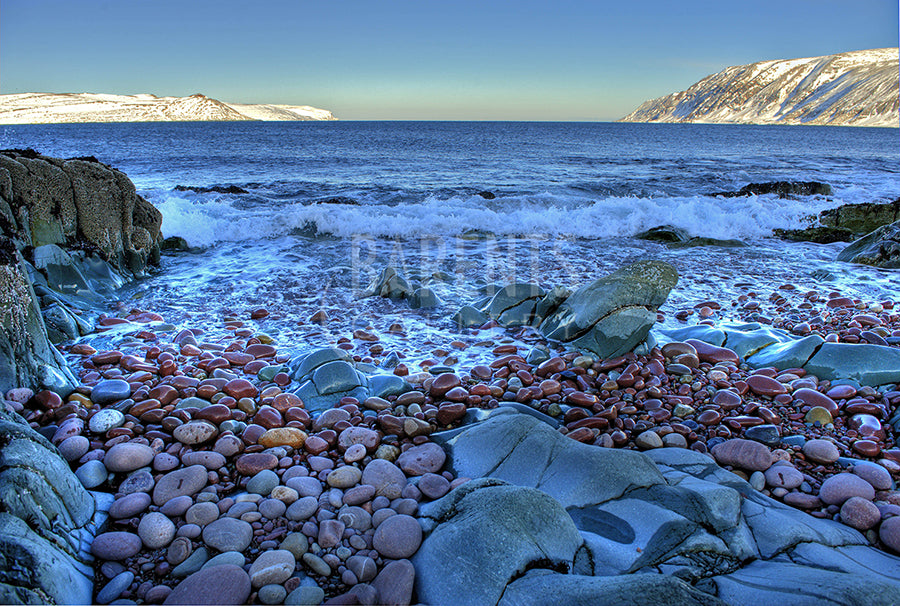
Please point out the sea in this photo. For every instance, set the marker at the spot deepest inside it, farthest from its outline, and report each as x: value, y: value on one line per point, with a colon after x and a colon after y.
x: 318, y: 209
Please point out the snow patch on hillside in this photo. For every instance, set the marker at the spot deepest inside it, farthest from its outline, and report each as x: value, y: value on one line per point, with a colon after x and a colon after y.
x: 49, y: 108
x: 858, y: 88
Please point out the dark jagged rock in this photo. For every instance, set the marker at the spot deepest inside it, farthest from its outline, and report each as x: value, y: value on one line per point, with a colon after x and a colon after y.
x: 487, y: 195
x: 880, y: 248
x: 175, y: 243
x: 701, y: 241
x: 664, y: 233
x: 861, y: 218
x: 215, y: 189
x: 783, y: 189
x: 818, y: 234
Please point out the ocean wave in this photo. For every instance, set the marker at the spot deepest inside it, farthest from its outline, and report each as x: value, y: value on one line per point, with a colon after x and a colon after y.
x: 207, y: 222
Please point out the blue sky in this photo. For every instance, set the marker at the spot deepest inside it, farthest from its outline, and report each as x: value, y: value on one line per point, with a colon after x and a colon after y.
x: 401, y: 59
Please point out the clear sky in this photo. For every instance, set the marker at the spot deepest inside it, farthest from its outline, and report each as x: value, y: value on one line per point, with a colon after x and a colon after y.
x: 420, y: 59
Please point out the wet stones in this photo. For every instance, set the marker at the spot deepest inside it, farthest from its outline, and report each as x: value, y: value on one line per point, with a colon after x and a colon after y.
x: 272, y: 567
x: 227, y: 584
x: 387, y: 479
x: 110, y: 391
x: 156, y: 530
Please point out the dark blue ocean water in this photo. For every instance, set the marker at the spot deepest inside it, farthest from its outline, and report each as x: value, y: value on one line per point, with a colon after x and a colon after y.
x: 568, y: 197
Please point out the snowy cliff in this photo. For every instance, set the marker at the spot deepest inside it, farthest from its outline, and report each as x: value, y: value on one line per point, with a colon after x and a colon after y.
x: 47, y: 108
x: 857, y: 88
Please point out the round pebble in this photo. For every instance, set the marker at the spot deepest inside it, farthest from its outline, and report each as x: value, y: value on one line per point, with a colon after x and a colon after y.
x: 433, y: 485
x: 92, y: 474
x: 344, y: 477
x: 889, y: 533
x: 128, y: 456
x: 302, y: 509
x: 874, y: 474
x: 115, y: 545
x: 201, y: 514
x: 109, y: 391
x: 745, y: 454
x: 397, y: 537
x: 228, y: 534
x: 106, y: 419
x: 274, y: 566
x: 838, y: 488
x: 860, y: 513
x: 387, y: 479
x: 187, y: 481
x: 176, y: 506
x: 156, y: 530
x: 263, y: 482
x: 648, y: 440
x: 74, y: 447
x: 129, y: 505
x: 271, y: 594
x: 115, y: 587
x: 218, y: 585
x: 821, y: 451
x: 419, y: 460
x: 783, y: 476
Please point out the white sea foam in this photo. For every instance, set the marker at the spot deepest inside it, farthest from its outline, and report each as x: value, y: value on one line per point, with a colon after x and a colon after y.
x: 204, y: 223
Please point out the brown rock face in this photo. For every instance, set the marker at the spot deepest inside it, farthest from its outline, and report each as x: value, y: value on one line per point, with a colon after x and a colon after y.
x: 55, y: 201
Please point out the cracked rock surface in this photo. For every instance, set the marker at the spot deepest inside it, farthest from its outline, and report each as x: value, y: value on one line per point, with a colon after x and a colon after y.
x: 550, y: 517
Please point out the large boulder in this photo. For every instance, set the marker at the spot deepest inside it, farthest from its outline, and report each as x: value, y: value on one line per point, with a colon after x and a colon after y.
x: 880, y: 248
x: 46, y: 523
x: 80, y: 201
x: 669, y: 526
x: 505, y: 529
x: 614, y: 314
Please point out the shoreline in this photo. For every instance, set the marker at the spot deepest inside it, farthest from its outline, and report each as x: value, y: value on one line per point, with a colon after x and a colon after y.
x: 337, y: 473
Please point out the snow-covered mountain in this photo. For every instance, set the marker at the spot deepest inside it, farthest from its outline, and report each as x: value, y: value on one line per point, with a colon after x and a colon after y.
x: 48, y: 108
x: 858, y: 88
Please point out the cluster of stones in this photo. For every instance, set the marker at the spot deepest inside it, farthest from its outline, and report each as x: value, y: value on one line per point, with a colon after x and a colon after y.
x: 226, y: 490
x: 835, y: 318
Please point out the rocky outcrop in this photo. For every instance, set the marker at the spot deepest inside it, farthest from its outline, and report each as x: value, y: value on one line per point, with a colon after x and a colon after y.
x: 614, y: 314
x: 845, y: 223
x: 71, y: 232
x: 861, y: 218
x: 783, y: 189
x: 78, y: 203
x: 553, y: 519
x: 607, y: 317
x: 327, y: 375
x: 46, y: 523
x: 763, y: 346
x: 880, y: 248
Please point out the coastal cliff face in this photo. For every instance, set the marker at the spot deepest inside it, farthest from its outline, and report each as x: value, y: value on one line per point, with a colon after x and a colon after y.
x: 857, y: 88
x: 52, y: 108
x: 70, y: 231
